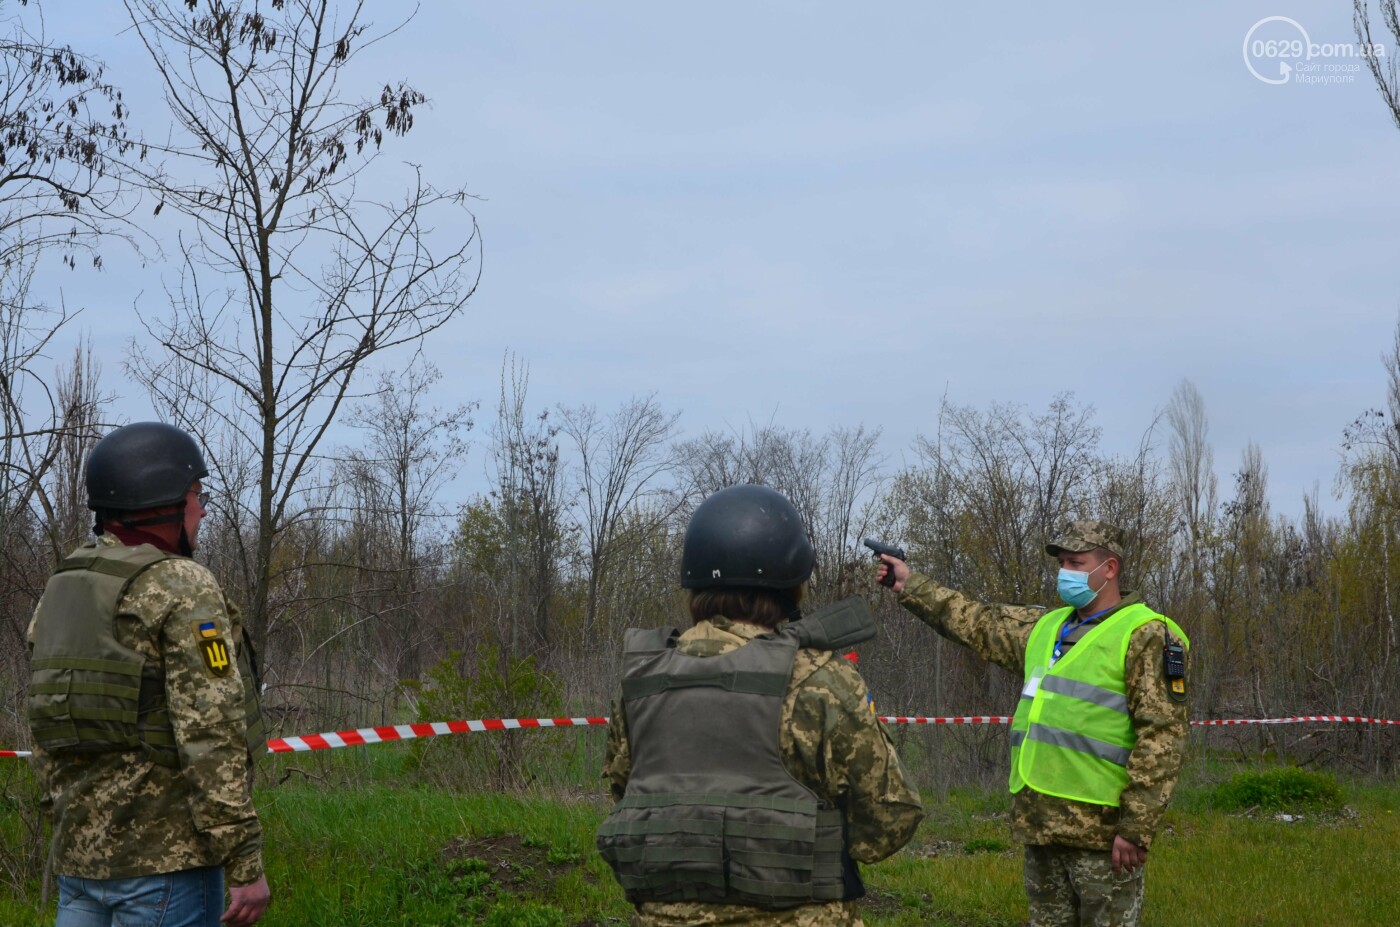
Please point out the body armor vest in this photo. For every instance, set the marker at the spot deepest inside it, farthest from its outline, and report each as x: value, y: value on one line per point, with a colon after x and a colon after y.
x: 711, y: 814
x: 89, y: 693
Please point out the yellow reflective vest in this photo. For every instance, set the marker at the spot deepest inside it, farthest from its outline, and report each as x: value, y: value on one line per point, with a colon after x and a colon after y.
x: 1072, y: 733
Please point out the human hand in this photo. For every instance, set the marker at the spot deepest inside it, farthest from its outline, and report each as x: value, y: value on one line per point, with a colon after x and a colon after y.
x: 900, y: 568
x: 1127, y: 855
x: 246, y: 903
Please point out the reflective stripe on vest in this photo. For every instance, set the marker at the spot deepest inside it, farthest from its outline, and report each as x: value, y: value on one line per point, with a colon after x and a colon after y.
x: 711, y: 813
x: 89, y: 693
x: 1072, y: 734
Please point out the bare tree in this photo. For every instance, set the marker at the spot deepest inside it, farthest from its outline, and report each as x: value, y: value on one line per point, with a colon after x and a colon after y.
x: 1384, y: 68
x: 529, y: 500
x: 26, y: 331
x: 1370, y: 476
x: 82, y: 403
x: 620, y: 460
x: 292, y: 276
x: 47, y: 424
x: 709, y: 463
x: 849, y: 479
x: 1192, y: 466
x: 411, y: 449
x: 1008, y: 480
x: 1240, y: 571
x: 62, y: 132
x: 1130, y: 493
x: 1373, y: 440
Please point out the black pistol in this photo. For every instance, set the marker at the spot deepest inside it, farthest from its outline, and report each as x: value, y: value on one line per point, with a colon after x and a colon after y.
x: 879, y: 547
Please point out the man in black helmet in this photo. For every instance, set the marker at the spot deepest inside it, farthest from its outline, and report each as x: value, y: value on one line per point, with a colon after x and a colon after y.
x: 143, y: 704
x: 749, y: 774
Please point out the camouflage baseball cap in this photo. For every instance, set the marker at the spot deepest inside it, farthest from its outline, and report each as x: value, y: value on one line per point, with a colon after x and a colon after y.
x: 1083, y: 536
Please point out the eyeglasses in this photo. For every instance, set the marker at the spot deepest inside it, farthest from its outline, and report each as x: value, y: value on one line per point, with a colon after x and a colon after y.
x: 204, y: 498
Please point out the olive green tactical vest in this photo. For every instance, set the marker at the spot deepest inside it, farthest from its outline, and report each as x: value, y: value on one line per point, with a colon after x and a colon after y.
x: 711, y: 814
x: 88, y: 693
x: 1072, y: 734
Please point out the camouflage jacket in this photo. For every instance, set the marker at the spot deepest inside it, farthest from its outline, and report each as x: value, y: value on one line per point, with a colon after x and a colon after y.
x: 832, y: 743
x: 999, y: 633
x: 118, y: 815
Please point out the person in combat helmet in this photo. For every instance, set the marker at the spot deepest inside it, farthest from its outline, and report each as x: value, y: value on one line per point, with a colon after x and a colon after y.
x: 143, y: 704
x: 748, y: 775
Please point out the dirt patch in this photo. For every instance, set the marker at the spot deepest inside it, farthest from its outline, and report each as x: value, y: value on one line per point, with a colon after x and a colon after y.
x: 877, y: 902
x: 515, y: 866
x: 937, y: 848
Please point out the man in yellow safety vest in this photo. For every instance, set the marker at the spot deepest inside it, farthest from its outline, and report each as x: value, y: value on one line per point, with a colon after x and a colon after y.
x: 1099, y: 731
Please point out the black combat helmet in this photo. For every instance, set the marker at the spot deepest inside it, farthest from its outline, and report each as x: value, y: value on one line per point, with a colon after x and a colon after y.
x: 144, y: 465
x: 746, y: 536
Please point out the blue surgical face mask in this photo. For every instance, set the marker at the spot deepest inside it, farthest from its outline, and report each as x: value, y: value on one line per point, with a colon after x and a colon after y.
x: 1074, y: 588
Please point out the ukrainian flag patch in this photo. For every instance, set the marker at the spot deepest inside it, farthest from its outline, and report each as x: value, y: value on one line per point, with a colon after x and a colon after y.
x: 205, y: 630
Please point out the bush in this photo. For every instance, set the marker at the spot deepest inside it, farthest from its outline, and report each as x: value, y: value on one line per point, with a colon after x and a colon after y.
x: 24, y: 840
x: 1289, y: 789
x: 492, y: 685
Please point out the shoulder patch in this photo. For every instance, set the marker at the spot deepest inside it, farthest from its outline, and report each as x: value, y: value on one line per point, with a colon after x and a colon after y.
x: 215, y: 655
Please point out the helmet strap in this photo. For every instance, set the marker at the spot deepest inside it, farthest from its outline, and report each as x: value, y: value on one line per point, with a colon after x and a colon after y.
x: 789, y: 604
x: 182, y: 543
x: 170, y: 519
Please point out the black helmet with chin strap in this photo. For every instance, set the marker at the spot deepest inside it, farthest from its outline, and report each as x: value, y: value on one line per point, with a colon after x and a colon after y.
x: 141, y: 466
x: 144, y: 465
x: 746, y: 537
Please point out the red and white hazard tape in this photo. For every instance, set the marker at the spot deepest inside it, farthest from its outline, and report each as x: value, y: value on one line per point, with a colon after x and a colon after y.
x: 373, y: 735
x: 970, y: 719
x: 1302, y: 719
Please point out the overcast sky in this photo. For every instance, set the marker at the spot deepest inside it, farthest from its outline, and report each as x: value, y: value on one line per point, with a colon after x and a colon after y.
x: 832, y: 213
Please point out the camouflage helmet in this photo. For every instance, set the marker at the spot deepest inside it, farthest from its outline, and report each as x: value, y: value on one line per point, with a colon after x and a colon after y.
x: 144, y: 465
x: 746, y: 536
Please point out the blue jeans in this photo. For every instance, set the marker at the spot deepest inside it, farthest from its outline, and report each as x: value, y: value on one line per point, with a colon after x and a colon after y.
x: 191, y: 898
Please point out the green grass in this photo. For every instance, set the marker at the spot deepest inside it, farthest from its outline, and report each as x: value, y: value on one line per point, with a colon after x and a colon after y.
x: 1207, y: 867
x: 399, y: 854
x: 385, y: 856
x: 1326, y: 869
x: 1288, y: 789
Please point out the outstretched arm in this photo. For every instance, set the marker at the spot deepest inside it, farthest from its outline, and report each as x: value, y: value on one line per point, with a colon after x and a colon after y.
x: 998, y: 633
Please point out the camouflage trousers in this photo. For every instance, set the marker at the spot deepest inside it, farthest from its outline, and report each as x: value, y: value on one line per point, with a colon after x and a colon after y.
x: 1070, y: 887
x: 698, y: 914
